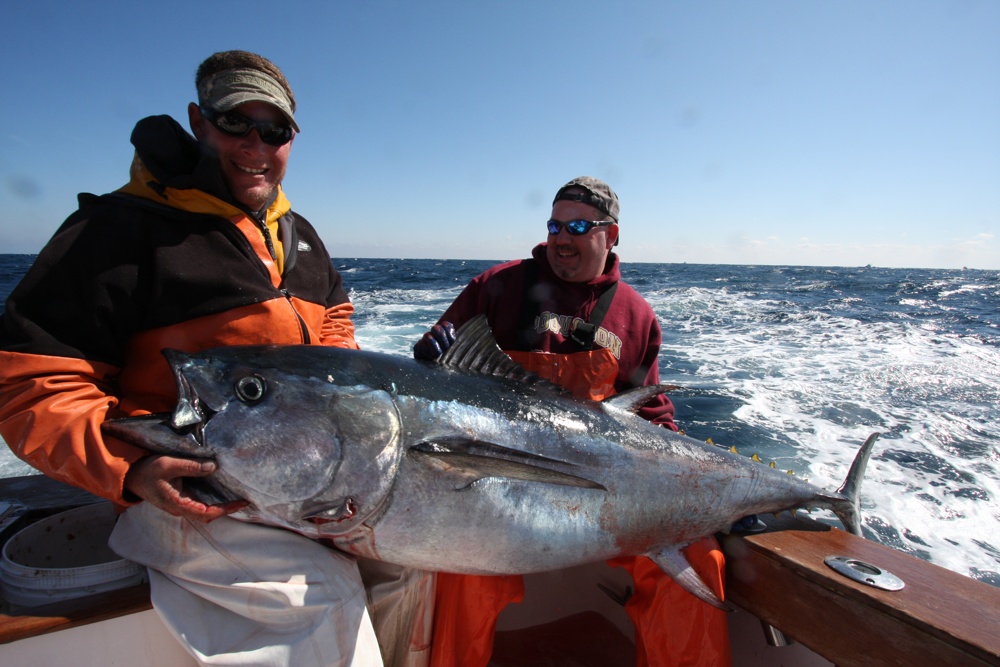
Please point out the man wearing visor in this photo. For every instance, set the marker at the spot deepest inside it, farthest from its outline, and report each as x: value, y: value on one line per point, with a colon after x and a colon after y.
x: 200, y: 249
x: 565, y: 314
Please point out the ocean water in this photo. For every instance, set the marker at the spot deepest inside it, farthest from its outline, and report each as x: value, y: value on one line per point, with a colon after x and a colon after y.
x: 797, y: 365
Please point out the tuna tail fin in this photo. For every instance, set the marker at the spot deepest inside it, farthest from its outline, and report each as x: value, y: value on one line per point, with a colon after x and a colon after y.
x: 847, y: 507
x: 673, y: 562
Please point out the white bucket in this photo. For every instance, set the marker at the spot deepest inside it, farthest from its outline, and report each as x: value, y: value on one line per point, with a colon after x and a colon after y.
x: 65, y: 556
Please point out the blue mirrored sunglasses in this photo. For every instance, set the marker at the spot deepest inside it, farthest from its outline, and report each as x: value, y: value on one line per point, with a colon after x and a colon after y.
x: 576, y: 227
x: 236, y: 124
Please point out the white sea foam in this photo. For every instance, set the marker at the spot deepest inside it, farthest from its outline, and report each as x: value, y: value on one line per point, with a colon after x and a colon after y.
x: 10, y: 465
x: 824, y: 382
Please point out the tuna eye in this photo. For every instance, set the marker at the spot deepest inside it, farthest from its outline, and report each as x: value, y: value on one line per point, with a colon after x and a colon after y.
x: 251, y: 388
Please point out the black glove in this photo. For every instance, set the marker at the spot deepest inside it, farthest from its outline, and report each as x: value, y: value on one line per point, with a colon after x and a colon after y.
x: 435, y: 342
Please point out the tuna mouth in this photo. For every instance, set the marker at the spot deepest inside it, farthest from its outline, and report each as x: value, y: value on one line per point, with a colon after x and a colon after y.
x: 191, y: 414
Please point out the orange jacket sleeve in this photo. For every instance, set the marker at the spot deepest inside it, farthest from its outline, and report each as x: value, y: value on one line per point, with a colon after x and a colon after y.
x: 51, y: 410
x: 338, y: 329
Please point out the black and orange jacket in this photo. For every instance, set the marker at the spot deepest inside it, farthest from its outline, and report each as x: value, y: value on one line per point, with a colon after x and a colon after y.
x: 168, y: 261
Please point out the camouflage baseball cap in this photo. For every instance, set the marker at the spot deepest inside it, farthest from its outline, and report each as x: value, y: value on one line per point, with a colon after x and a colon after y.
x: 230, y: 88
x: 596, y: 193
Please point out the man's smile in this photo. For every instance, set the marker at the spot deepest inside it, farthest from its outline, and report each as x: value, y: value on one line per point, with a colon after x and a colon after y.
x: 250, y: 170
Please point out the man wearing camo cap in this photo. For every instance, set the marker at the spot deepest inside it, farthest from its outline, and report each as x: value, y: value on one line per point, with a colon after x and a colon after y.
x: 200, y: 249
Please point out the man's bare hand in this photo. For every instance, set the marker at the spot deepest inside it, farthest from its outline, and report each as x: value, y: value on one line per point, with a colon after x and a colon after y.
x: 159, y: 480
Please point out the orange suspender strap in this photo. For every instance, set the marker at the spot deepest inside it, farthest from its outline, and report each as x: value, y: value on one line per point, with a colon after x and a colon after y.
x: 673, y: 627
x: 588, y: 374
x: 466, y: 608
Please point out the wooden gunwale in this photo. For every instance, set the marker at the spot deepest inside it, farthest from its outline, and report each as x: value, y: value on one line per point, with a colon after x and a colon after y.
x: 938, y: 618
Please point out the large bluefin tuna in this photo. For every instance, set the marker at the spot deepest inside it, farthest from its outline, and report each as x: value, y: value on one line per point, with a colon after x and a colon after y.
x: 469, y: 465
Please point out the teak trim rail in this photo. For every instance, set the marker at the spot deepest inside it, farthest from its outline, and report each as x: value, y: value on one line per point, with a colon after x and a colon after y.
x: 938, y: 618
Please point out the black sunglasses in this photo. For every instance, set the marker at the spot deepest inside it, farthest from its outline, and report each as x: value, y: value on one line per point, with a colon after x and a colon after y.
x: 235, y: 124
x: 576, y: 227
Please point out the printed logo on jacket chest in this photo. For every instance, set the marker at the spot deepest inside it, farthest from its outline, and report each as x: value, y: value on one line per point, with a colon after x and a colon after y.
x: 563, y: 324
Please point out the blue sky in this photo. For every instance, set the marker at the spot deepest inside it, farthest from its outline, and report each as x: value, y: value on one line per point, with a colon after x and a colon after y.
x: 751, y: 132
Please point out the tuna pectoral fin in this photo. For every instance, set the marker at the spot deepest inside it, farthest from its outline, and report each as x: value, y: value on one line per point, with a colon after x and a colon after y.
x: 471, y: 461
x: 631, y: 400
x: 673, y: 562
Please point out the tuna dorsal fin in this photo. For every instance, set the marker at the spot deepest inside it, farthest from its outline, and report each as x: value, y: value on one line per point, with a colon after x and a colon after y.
x: 673, y: 562
x: 633, y: 399
x: 473, y: 460
x: 475, y: 349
